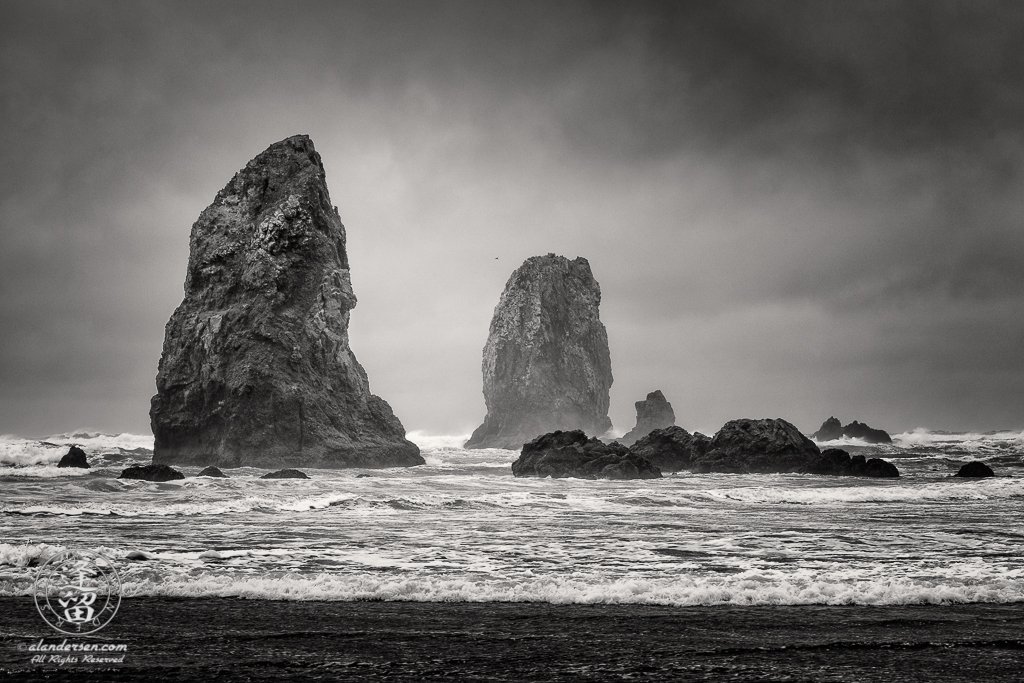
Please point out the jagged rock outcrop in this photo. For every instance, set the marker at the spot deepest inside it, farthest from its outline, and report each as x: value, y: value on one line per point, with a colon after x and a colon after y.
x: 572, y: 454
x: 671, y: 449
x: 256, y: 367
x: 858, y: 430
x: 747, y: 446
x: 151, y: 473
x: 75, y: 457
x: 975, y: 469
x: 546, y: 364
x: 652, y: 413
x: 832, y: 429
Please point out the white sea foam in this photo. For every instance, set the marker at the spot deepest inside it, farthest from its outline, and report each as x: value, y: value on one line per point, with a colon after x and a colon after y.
x: 424, y: 440
x: 924, y: 437
x: 988, y: 489
x: 18, y: 451
x: 832, y: 586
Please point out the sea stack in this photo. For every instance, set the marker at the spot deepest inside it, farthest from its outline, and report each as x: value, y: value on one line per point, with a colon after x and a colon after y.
x: 256, y: 367
x: 546, y: 364
x: 652, y: 413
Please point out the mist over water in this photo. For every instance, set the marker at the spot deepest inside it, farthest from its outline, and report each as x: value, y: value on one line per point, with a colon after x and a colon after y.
x: 462, y: 528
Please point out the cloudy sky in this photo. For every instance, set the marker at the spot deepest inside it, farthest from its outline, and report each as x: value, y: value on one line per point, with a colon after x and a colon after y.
x: 794, y: 209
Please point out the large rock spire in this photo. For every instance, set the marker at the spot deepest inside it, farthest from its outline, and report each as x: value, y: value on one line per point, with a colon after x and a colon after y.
x: 256, y: 366
x: 546, y: 364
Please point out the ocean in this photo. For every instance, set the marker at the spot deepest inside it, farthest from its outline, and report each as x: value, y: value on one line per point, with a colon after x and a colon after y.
x: 463, y: 529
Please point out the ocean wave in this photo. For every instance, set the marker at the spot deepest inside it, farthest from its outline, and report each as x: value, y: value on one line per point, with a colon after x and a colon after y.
x: 424, y: 440
x: 754, y: 587
x: 988, y: 489
x: 22, y: 452
x: 925, y: 437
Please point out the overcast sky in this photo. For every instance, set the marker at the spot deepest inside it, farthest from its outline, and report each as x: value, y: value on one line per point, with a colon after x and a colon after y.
x: 794, y: 209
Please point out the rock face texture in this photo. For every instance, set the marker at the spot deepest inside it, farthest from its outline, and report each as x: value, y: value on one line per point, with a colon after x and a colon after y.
x: 832, y: 429
x: 572, y: 454
x: 652, y: 413
x: 975, y: 469
x: 256, y: 367
x: 546, y: 364
x: 671, y: 449
x: 75, y: 457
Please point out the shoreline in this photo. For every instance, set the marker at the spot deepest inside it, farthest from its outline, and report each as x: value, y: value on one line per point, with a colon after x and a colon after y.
x: 235, y: 639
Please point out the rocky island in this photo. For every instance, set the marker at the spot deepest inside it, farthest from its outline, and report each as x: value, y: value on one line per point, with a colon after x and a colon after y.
x: 832, y: 429
x: 546, y: 364
x: 652, y: 413
x: 739, y: 447
x: 256, y: 367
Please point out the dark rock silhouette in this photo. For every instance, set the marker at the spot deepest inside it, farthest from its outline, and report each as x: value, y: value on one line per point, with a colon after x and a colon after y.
x: 748, y: 446
x: 212, y: 471
x: 975, y: 469
x: 256, y: 367
x: 857, y: 430
x: 831, y: 430
x: 546, y: 364
x: 671, y: 449
x: 572, y: 454
x: 757, y: 446
x: 652, y: 413
x: 151, y: 473
x: 836, y: 461
x: 285, y: 474
x: 75, y: 457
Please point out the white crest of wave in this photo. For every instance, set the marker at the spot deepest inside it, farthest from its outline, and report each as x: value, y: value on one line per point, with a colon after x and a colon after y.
x: 753, y: 587
x: 925, y: 437
x: 18, y: 451
x: 425, y: 441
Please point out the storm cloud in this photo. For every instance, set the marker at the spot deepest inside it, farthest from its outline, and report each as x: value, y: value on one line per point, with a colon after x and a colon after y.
x: 794, y: 209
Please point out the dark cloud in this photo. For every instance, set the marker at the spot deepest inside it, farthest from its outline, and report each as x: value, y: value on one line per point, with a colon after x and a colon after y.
x: 793, y: 208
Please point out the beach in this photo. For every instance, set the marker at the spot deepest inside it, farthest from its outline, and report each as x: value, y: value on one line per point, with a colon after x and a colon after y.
x: 225, y: 639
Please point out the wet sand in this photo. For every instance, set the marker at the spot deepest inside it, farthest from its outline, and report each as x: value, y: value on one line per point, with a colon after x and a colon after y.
x: 226, y: 639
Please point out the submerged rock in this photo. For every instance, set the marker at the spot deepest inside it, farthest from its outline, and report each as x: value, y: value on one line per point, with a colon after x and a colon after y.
x: 572, y: 454
x: 256, y: 367
x: 285, y: 474
x: 671, y: 449
x: 546, y: 364
x: 652, y: 413
x: 212, y: 471
x: 75, y: 457
x: 975, y: 469
x: 151, y: 473
x: 832, y: 430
